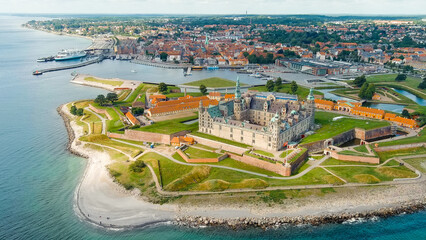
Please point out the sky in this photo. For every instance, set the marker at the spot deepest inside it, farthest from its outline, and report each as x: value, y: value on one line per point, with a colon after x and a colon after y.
x: 339, y: 7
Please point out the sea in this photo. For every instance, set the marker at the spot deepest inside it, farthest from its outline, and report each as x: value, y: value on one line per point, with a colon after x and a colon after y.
x: 38, y: 176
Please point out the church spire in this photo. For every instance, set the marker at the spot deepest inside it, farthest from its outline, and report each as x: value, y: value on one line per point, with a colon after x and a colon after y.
x: 237, y: 89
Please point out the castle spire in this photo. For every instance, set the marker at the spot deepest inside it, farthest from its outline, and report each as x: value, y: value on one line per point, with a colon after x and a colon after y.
x: 237, y: 89
x: 311, y: 94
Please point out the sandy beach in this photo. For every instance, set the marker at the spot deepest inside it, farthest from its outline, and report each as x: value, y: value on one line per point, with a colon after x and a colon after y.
x: 101, y: 201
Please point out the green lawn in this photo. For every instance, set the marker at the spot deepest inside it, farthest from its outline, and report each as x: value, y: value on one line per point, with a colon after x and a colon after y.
x: 286, y: 153
x: 361, y: 148
x: 353, y: 153
x: 213, y: 82
x: 371, y: 174
x: 198, y: 153
x: 330, y: 128
x: 260, y: 158
x: 409, y: 140
x: 229, y: 162
x: 398, y: 153
x: 298, y: 155
x: 418, y: 163
x: 211, y: 137
x: 171, y: 126
x: 177, y: 95
x: 267, y: 154
x: 107, y: 82
x: 389, y: 81
x: 301, y: 92
x: 333, y: 161
x: 104, y: 140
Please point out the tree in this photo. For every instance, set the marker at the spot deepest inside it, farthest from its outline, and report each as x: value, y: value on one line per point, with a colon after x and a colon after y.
x: 359, y: 81
x: 101, y: 100
x: 362, y: 91
x: 137, y: 111
x: 400, y: 77
x: 369, y: 93
x: 422, y: 85
x: 245, y: 54
x: 278, y: 83
x: 162, y: 87
x: 137, y: 166
x: 80, y: 112
x: 112, y: 97
x: 294, y: 87
x: 163, y: 56
x: 73, y: 110
x: 203, y: 89
x: 270, y: 85
x: 405, y: 113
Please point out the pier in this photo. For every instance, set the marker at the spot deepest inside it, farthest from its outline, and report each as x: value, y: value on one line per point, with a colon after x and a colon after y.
x: 97, y: 60
x: 161, y: 65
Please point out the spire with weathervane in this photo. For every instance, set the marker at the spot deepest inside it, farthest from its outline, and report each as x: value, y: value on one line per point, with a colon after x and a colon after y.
x: 237, y: 89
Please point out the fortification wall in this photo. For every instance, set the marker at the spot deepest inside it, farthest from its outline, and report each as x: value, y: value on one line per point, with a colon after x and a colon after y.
x: 373, y: 160
x: 373, y: 133
x: 299, y: 162
x: 101, y: 111
x: 141, y: 136
x: 276, y: 168
x: 219, y: 145
x: 201, y: 160
x: 399, y: 147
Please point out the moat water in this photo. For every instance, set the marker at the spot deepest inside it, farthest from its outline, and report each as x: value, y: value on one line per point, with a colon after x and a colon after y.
x: 38, y: 176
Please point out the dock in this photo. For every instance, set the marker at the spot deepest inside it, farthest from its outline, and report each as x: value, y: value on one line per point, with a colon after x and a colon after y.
x: 96, y: 60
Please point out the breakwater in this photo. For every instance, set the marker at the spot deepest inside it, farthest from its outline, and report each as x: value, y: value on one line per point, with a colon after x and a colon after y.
x: 96, y: 60
x: 275, y: 222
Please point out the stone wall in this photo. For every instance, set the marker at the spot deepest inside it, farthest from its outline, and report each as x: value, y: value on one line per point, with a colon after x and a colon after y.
x: 141, y: 136
x: 201, y: 160
x: 398, y: 147
x: 219, y: 145
x: 299, y: 161
x: 351, y: 158
x: 101, y: 111
x: 373, y: 133
x: 349, y: 135
x: 276, y: 168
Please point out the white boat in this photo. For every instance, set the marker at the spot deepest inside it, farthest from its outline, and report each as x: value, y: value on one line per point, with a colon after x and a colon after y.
x: 133, y: 71
x: 69, y: 55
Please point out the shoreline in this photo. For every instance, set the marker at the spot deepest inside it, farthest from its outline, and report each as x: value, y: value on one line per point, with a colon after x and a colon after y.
x: 139, y: 213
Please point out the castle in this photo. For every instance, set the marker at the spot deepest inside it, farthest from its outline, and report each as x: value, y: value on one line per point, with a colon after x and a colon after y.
x: 267, y: 120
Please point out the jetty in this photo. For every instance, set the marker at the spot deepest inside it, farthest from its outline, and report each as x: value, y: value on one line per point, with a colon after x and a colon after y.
x: 160, y: 65
x: 96, y: 60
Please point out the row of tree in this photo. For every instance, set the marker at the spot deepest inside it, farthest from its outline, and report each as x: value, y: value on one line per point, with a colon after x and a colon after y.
x: 110, y: 97
x: 367, y: 91
x: 76, y: 111
x: 277, y: 85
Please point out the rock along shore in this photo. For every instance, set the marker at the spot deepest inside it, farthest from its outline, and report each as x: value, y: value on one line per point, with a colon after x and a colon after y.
x: 274, y: 222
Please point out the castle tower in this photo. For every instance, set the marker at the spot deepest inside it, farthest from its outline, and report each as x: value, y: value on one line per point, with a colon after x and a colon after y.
x: 238, y: 104
x: 310, y: 105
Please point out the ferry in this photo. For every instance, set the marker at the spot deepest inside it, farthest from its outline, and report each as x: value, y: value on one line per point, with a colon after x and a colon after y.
x: 46, y: 59
x: 212, y: 67
x: 65, y: 55
x: 197, y: 68
x: 37, y: 73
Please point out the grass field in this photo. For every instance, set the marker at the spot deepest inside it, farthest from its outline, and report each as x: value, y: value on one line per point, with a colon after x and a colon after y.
x: 267, y: 154
x: 171, y: 126
x: 301, y: 92
x: 389, y: 81
x: 330, y: 128
x: 211, y: 137
x: 403, y: 152
x: 198, y: 153
x: 104, y: 140
x: 409, y: 140
x: 213, y: 82
x: 370, y: 174
x: 107, y: 82
x: 418, y: 163
x: 361, y: 148
x: 333, y: 161
x: 229, y: 162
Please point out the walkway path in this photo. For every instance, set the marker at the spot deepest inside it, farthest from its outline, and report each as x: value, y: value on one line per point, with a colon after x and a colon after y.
x: 100, y: 117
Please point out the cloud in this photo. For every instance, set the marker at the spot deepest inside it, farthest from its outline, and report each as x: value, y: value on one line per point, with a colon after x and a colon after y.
x: 395, y: 7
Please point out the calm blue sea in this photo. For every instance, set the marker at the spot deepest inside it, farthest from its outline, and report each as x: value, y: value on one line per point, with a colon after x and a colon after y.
x: 38, y: 176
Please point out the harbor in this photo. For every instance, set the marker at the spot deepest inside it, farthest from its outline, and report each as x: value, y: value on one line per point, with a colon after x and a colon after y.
x: 82, y: 64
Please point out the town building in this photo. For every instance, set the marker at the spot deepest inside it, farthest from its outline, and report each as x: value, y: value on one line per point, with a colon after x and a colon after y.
x: 182, y: 104
x: 368, y: 112
x: 267, y: 120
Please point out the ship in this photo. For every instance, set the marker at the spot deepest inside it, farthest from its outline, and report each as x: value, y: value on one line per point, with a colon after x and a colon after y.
x: 197, y: 68
x: 65, y: 55
x: 46, y: 59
